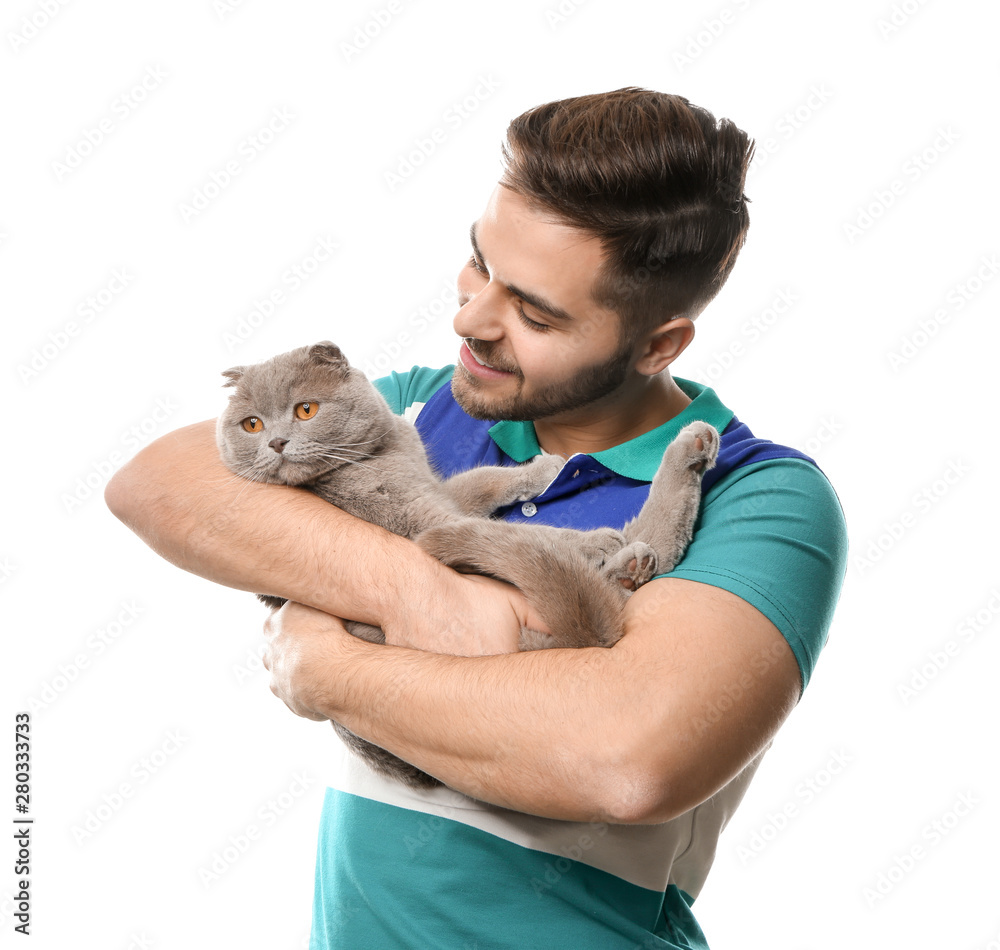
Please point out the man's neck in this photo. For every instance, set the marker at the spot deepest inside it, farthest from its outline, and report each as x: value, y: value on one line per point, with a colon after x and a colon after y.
x: 638, y: 407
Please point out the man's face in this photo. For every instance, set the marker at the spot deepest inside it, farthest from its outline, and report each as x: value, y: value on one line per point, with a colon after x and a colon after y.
x: 526, y: 312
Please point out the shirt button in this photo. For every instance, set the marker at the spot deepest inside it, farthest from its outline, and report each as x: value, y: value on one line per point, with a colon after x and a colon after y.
x: 528, y: 509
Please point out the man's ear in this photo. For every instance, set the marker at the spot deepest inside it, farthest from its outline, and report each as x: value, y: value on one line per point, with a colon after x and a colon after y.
x: 664, y: 344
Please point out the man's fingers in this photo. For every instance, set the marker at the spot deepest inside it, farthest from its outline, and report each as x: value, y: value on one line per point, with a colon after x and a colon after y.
x: 272, y: 627
x: 266, y: 656
x: 291, y: 636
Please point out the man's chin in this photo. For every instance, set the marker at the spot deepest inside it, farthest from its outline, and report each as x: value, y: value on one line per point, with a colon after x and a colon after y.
x: 474, y: 405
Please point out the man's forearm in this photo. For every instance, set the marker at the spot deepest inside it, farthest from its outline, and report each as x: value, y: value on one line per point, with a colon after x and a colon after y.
x: 182, y: 501
x: 631, y: 734
x: 492, y: 727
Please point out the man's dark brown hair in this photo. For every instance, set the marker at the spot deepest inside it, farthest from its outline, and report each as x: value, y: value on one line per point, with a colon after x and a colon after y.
x: 657, y: 179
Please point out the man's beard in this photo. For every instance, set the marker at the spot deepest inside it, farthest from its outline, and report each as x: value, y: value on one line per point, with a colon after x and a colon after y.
x: 590, y: 385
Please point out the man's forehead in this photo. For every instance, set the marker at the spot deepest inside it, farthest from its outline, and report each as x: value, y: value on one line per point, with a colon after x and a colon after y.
x: 513, y: 227
x: 547, y: 263
x: 507, y: 204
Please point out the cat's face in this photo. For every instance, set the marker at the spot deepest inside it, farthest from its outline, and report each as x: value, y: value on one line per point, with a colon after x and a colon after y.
x: 295, y: 417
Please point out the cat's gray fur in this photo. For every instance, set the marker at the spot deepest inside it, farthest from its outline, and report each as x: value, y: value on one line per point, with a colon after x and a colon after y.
x: 358, y: 455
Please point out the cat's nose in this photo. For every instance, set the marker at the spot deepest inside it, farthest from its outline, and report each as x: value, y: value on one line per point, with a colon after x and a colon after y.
x: 278, y: 445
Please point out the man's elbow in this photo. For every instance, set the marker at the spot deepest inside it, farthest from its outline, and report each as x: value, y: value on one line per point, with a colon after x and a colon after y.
x: 147, y: 492
x: 636, y: 790
x: 140, y: 493
x: 141, y: 502
x: 123, y: 494
x: 649, y: 786
x: 639, y: 800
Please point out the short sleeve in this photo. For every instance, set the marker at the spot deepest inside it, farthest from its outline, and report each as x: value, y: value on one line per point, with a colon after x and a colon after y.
x: 774, y: 534
x: 403, y: 391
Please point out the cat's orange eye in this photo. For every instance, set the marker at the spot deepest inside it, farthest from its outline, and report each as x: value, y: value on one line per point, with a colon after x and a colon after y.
x: 306, y: 410
x: 252, y: 424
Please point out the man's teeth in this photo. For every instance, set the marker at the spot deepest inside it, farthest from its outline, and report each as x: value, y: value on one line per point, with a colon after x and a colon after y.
x: 480, y: 362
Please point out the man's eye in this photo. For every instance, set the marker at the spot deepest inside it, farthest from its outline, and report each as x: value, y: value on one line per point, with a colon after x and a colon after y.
x: 476, y: 266
x: 529, y: 323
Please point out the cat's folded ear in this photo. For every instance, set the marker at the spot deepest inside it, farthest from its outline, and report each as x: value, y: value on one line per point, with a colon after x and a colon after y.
x: 234, y: 375
x: 327, y: 352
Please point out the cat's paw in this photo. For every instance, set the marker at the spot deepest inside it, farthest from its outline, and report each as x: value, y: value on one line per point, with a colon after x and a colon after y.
x: 538, y: 474
x: 441, y: 541
x: 697, y: 446
x: 632, y: 566
x: 599, y: 545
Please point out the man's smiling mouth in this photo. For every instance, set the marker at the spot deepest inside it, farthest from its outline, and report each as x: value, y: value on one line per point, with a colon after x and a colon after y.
x: 476, y: 365
x: 479, y: 361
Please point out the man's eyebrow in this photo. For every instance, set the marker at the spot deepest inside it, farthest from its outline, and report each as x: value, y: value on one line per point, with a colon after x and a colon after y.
x: 534, y: 300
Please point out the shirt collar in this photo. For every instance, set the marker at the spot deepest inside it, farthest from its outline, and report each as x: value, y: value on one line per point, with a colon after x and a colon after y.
x: 639, y: 458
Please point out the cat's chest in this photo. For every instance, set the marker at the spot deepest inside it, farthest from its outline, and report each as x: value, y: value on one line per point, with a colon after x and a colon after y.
x: 402, y: 506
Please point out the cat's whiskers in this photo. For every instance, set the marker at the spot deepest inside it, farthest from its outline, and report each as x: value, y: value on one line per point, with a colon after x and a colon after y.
x: 359, y: 453
x: 248, y: 475
x: 344, y: 445
x: 249, y: 472
x: 320, y: 450
x: 346, y: 461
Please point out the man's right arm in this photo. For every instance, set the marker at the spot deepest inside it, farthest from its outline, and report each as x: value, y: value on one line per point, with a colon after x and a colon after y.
x: 179, y: 498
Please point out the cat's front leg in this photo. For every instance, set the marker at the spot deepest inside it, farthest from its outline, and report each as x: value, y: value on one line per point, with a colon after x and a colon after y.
x: 576, y: 605
x: 480, y: 491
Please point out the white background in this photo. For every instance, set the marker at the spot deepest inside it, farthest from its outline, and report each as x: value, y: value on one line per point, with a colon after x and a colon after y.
x: 844, y: 100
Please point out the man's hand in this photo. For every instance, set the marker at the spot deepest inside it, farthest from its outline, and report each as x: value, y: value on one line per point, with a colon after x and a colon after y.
x: 482, y: 617
x: 300, y: 651
x: 302, y: 644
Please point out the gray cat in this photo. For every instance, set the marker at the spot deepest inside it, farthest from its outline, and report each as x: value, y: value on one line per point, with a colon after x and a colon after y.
x: 308, y: 418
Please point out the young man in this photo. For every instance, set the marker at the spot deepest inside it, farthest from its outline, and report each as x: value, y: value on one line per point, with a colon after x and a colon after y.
x: 586, y: 789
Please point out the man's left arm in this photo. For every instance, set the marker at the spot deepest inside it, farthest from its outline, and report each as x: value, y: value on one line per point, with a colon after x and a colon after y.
x: 630, y: 734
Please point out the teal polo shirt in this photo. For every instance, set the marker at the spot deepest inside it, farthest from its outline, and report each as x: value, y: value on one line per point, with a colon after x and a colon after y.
x: 421, y: 869
x: 770, y: 530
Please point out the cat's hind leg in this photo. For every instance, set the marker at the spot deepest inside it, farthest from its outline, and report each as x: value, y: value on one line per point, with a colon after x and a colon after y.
x: 632, y: 566
x: 597, y: 545
x: 572, y: 598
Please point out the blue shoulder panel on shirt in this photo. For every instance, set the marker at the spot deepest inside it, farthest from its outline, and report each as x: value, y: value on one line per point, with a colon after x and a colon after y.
x: 739, y: 446
x: 456, y: 442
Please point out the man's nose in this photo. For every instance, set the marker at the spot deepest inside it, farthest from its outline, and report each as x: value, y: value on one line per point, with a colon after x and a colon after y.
x: 481, y: 316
